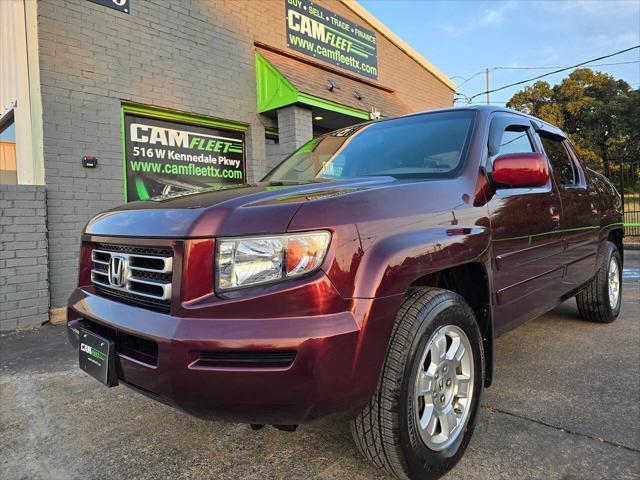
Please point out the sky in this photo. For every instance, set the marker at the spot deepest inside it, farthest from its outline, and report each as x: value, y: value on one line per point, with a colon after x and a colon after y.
x: 462, y: 38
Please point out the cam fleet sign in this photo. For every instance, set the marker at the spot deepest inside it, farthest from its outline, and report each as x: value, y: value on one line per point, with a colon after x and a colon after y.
x: 319, y: 33
x: 120, y: 5
x: 163, y: 157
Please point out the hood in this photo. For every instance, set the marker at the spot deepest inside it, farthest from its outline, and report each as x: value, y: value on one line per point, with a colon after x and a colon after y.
x: 261, y: 208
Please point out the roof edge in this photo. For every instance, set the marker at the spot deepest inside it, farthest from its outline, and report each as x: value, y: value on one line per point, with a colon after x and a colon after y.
x: 398, y: 42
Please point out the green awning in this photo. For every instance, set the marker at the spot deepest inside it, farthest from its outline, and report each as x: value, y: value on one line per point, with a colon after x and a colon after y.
x: 276, y: 91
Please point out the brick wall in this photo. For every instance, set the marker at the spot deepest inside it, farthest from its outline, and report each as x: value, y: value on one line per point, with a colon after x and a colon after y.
x: 24, y: 288
x: 183, y: 56
x: 412, y: 83
x: 196, y: 57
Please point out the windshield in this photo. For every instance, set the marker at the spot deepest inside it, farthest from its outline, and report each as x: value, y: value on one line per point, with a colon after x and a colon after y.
x: 421, y: 146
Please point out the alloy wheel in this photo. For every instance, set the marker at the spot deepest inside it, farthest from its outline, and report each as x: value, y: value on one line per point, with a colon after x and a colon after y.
x: 614, y: 282
x: 444, y: 387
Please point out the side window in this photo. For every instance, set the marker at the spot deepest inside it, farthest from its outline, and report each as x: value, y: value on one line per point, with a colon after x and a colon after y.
x: 515, y: 139
x: 563, y: 167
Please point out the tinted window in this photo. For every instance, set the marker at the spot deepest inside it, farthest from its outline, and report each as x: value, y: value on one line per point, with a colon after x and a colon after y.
x: 515, y: 140
x: 422, y: 146
x: 561, y: 164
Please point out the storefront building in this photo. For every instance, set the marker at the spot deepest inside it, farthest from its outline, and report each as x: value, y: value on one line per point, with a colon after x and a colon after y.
x: 106, y: 101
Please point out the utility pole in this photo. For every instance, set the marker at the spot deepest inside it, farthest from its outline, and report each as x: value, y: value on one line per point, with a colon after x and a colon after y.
x: 487, y: 79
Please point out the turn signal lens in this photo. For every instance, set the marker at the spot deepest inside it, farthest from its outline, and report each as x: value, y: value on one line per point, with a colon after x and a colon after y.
x: 306, y: 252
x: 242, y: 262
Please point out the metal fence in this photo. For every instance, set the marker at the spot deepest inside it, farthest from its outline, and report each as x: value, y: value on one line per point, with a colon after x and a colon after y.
x: 632, y: 223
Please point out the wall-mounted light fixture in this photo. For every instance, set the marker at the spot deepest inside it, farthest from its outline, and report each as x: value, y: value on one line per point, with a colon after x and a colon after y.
x: 333, y: 85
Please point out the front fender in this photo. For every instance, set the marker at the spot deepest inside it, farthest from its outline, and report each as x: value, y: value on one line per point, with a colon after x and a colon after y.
x: 391, y: 264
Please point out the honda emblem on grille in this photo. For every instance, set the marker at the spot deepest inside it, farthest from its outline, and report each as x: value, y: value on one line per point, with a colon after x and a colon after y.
x: 117, y: 271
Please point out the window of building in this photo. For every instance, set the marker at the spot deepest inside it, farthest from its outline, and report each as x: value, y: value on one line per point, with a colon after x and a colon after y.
x: 8, y: 164
x: 563, y: 167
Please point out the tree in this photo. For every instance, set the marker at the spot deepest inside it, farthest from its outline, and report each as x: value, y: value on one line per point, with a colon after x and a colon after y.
x: 538, y: 100
x: 600, y: 114
x: 630, y: 151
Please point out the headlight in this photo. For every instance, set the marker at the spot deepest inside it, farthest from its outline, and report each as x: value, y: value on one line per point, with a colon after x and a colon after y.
x: 248, y: 261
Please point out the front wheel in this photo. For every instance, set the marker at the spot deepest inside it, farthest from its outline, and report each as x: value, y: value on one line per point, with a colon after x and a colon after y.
x: 601, y: 298
x: 422, y: 415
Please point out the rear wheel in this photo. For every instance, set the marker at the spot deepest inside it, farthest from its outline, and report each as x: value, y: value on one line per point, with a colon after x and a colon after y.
x: 422, y: 415
x: 600, y: 300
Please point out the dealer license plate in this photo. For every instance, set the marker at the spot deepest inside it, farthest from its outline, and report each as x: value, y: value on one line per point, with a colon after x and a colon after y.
x: 96, y: 356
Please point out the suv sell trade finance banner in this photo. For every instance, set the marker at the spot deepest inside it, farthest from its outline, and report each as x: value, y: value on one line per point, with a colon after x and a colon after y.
x: 320, y: 33
x: 165, y: 157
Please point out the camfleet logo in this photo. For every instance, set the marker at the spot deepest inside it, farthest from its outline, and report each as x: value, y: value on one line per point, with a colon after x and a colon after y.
x: 169, y: 137
x: 298, y: 22
x: 92, y: 352
x: 158, y: 135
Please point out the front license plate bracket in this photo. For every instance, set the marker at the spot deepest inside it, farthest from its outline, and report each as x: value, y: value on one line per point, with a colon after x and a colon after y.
x: 97, y: 357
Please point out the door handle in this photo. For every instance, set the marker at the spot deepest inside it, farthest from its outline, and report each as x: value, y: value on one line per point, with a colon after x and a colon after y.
x: 555, y: 215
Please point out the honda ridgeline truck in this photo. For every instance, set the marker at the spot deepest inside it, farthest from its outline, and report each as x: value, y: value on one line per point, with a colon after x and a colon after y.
x: 368, y: 273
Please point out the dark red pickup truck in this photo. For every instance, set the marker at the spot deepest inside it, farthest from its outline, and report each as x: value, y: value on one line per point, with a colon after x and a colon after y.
x: 369, y: 272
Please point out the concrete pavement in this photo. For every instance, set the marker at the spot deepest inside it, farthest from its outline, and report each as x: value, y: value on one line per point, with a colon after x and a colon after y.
x: 565, y: 404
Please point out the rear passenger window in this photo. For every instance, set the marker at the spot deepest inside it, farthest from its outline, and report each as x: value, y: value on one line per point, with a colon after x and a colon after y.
x: 515, y: 140
x: 563, y: 167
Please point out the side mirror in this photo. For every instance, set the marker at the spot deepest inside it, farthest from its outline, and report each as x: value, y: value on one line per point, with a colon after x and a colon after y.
x: 520, y: 170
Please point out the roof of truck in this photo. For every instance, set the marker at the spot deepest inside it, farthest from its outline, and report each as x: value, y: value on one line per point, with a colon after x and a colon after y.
x: 489, y: 109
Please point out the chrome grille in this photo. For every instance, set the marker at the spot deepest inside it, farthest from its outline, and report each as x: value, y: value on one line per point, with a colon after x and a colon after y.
x: 141, y: 274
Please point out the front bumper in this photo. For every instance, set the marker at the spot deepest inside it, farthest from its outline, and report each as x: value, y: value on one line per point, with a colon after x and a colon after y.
x: 338, y: 357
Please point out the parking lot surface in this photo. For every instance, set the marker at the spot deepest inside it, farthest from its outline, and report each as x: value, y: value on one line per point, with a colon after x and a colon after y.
x: 565, y: 404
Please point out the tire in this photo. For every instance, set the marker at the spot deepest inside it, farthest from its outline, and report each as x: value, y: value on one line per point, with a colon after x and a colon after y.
x: 387, y: 431
x: 595, y: 302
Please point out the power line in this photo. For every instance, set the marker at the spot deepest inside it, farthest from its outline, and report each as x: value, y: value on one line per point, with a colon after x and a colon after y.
x: 484, y: 103
x: 549, y: 68
x: 468, y: 79
x: 550, y: 102
x: 470, y: 102
x: 491, y: 69
x: 554, y: 72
